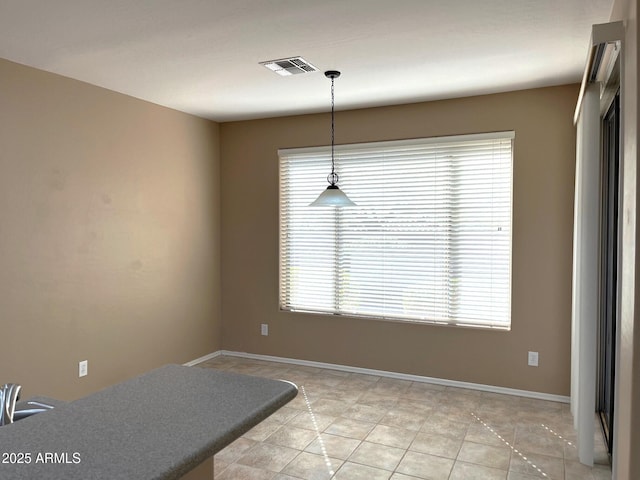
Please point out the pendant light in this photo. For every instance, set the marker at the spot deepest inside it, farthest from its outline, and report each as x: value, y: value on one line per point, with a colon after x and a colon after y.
x: 332, y: 196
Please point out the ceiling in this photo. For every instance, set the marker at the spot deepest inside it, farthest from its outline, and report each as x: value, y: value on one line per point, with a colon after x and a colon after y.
x: 202, y: 56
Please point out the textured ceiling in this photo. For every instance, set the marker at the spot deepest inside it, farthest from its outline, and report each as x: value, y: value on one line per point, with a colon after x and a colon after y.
x: 201, y: 56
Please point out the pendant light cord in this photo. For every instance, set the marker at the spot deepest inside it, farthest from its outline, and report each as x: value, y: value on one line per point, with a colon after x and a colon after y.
x: 333, y: 134
x: 333, y: 178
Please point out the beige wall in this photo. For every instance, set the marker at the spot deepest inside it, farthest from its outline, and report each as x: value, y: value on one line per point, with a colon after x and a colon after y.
x: 109, y: 234
x: 626, y: 464
x: 542, y: 244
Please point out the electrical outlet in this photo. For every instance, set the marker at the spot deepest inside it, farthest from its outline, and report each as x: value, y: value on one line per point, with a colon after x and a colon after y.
x: 264, y: 329
x: 533, y: 359
x: 83, y: 368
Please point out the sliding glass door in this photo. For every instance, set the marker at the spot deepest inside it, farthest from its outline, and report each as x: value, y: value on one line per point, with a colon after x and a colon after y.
x: 609, y: 267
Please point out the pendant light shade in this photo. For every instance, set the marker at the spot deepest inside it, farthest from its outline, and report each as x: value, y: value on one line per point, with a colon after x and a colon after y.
x: 332, y: 196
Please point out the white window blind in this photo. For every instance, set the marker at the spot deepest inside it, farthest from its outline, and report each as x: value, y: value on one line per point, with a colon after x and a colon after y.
x: 429, y: 240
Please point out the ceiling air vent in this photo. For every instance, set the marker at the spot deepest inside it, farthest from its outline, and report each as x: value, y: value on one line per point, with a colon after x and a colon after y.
x: 289, y: 66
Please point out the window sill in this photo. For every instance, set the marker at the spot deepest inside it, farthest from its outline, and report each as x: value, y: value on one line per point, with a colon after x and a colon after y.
x: 431, y: 323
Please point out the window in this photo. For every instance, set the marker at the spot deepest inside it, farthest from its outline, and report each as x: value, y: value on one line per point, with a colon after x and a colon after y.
x: 429, y: 240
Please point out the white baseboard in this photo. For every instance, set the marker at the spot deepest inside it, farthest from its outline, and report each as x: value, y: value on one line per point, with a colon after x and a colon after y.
x: 384, y: 373
x: 203, y: 359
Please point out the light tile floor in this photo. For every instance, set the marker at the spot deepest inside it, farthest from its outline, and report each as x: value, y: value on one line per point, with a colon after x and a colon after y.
x: 348, y: 426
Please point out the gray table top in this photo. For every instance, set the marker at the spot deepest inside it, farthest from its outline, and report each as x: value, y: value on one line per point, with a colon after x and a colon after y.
x: 156, y: 426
